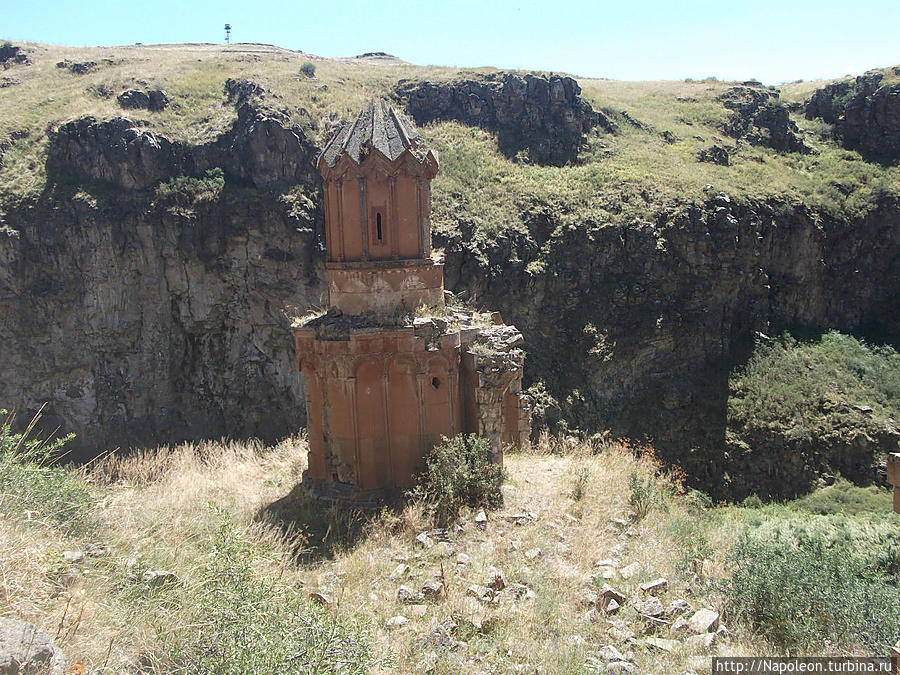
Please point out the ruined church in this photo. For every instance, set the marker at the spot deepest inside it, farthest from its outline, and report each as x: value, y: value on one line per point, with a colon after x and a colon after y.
x: 391, y: 367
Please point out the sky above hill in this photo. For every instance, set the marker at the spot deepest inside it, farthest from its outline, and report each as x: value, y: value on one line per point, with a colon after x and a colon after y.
x: 770, y: 40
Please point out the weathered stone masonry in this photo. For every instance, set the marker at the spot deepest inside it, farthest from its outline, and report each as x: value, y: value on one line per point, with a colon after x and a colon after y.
x: 383, y: 387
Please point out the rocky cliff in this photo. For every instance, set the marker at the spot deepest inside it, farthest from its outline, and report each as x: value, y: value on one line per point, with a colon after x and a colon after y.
x: 141, y: 322
x: 865, y: 112
x: 542, y: 116
x: 653, y: 317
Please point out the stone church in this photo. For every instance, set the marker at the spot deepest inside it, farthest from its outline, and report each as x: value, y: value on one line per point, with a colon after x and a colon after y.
x: 390, y: 368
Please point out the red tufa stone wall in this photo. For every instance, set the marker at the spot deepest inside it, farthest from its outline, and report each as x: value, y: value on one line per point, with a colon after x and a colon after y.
x: 893, y: 477
x: 376, y: 403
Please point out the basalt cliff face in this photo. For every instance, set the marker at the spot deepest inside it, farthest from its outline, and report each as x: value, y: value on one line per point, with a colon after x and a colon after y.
x: 142, y: 323
x: 634, y: 329
x: 142, y: 320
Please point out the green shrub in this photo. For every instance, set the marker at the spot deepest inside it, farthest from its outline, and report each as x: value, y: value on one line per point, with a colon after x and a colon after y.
x: 804, y: 588
x: 248, y: 623
x: 186, y: 191
x: 308, y: 68
x: 645, y: 494
x: 459, y: 473
x: 31, y: 483
x: 845, y: 497
x: 804, y: 408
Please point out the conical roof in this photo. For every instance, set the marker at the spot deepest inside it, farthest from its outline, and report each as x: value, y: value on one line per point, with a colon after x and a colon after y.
x: 378, y: 127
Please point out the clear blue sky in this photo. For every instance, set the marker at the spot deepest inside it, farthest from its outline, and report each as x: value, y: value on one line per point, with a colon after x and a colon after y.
x: 772, y: 40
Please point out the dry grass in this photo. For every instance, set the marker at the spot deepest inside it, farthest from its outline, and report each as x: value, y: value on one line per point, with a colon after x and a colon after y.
x: 621, y: 178
x: 153, y: 507
x: 154, y: 510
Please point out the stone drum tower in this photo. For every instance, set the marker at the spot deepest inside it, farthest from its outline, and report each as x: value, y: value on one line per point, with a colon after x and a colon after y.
x: 390, y: 368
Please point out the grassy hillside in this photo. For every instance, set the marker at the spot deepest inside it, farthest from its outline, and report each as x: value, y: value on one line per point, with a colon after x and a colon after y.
x: 622, y: 177
x: 199, y: 559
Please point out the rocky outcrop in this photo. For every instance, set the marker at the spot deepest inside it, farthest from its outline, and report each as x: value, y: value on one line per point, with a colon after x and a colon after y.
x: 828, y: 102
x: 761, y: 119
x: 653, y: 316
x: 544, y: 116
x: 243, y: 91
x: 866, y: 114
x: 12, y: 55
x: 714, y: 154
x: 78, y: 67
x: 143, y: 324
x: 260, y: 149
x: 26, y: 650
x: 135, y: 99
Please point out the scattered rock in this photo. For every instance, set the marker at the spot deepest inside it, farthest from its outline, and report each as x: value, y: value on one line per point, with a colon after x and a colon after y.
x: 714, y: 154
x: 400, y: 572
x: 78, y: 68
x: 700, y: 642
x: 433, y: 589
x: 463, y: 559
x: 704, y: 620
x: 591, y: 616
x: 621, y: 667
x: 563, y: 549
x: 7, y: 81
x: 320, y: 598
x: 73, y: 557
x: 621, y: 523
x: 156, y: 578
x: 680, y: 626
x: 611, y: 606
x: 662, y: 644
x: 482, y: 593
x: 677, y: 607
x: 656, y: 586
x: 425, y: 540
x: 609, y: 593
x: 28, y: 650
x: 496, y: 579
x: 630, y: 570
x: 521, y: 518
x: 589, y: 597
x: 417, y: 611
x: 620, y: 631
x: 481, y: 518
x: 396, y: 622
x: 636, y: 123
x: 154, y: 100
x: 521, y: 591
x: 609, y: 653
x: 607, y: 562
x: 533, y: 554
x: 651, y: 607
x: 410, y: 596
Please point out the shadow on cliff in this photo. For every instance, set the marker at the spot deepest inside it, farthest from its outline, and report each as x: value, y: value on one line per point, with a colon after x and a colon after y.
x: 315, y: 530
